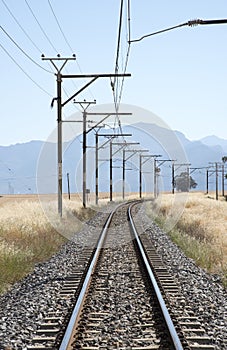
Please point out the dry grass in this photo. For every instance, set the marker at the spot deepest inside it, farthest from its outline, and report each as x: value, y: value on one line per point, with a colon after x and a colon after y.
x: 201, y: 231
x: 29, y: 234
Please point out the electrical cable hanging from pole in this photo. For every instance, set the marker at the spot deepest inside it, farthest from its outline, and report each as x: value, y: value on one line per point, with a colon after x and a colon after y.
x: 127, y: 54
x: 27, y: 75
x: 69, y: 46
x: 191, y: 23
x: 41, y: 28
x: 59, y: 26
x: 116, y: 88
x: 23, y: 30
x: 115, y: 82
x: 25, y: 53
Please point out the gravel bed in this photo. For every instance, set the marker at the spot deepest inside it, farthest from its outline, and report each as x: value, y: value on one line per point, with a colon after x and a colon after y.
x: 29, y: 300
x: 126, y: 312
x: 203, y: 292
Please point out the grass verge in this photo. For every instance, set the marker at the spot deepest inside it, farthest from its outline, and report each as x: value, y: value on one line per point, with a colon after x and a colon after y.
x: 27, y: 237
x: 201, y: 231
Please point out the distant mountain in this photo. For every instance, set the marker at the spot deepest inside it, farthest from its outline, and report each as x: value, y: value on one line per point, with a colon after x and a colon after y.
x: 214, y: 141
x: 32, y: 167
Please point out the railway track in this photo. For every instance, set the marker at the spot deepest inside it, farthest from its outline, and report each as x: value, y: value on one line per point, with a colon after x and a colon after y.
x: 124, y: 297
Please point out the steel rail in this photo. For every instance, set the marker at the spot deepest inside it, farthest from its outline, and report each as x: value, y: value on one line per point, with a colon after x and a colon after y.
x: 75, y: 313
x: 167, y: 317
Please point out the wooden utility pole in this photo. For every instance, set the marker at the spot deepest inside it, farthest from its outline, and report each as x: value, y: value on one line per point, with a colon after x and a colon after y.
x: 141, y: 163
x: 68, y: 185
x: 61, y: 104
x: 111, y: 137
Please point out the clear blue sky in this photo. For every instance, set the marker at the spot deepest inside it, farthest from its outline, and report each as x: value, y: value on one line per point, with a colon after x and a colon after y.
x: 180, y: 75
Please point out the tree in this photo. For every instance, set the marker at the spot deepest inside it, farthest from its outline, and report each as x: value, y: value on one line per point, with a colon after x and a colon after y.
x: 184, y: 182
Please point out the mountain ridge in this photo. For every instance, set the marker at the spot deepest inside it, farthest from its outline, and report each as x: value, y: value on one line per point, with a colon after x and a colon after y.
x: 30, y: 167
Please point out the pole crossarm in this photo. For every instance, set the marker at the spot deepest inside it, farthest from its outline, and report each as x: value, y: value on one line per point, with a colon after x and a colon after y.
x: 191, y: 23
x: 134, y: 151
x: 180, y: 165
x: 94, y: 76
x: 192, y: 170
x: 123, y: 145
x: 65, y: 59
x: 111, y: 75
x: 148, y: 156
x: 107, y: 115
x: 161, y: 162
x: 110, y: 137
x: 114, y: 135
x: 61, y: 104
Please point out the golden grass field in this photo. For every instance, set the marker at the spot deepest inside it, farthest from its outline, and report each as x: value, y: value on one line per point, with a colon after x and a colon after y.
x: 28, y: 235
x: 201, y: 231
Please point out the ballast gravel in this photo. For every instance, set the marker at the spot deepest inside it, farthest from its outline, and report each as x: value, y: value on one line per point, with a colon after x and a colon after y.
x: 203, y: 292
x: 27, y: 302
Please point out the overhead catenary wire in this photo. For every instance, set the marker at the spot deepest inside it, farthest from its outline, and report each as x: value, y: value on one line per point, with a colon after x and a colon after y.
x: 59, y: 26
x: 24, y: 31
x: 191, y: 23
x: 30, y: 58
x: 116, y: 87
x: 25, y: 53
x: 68, y: 44
x: 18, y: 23
x: 28, y: 76
x: 128, y: 50
x: 41, y: 28
x: 116, y: 82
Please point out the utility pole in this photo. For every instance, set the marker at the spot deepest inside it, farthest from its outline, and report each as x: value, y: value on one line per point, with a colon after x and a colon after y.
x: 123, y: 145
x: 61, y: 104
x: 59, y: 120
x: 207, y: 176
x: 84, y: 105
x: 161, y: 162
x: 216, y: 177
x: 155, y: 179
x: 106, y: 115
x: 140, y: 176
x: 207, y: 181
x: 124, y: 161
x: 141, y: 162
x: 111, y: 171
x: 156, y: 170
x: 173, y: 177
x: 111, y: 136
x: 68, y: 185
x: 216, y: 171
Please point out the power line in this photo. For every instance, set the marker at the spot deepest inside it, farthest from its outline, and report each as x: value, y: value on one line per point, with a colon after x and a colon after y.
x: 67, y: 42
x: 116, y: 82
x: 41, y: 28
x: 28, y: 76
x: 29, y: 57
x: 128, y: 50
x: 23, y: 30
x: 52, y: 10
x: 191, y: 23
x: 117, y: 89
x: 18, y: 23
